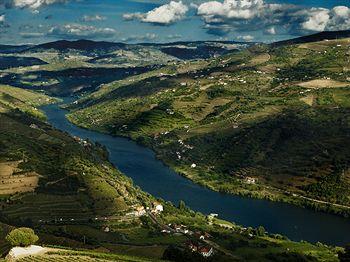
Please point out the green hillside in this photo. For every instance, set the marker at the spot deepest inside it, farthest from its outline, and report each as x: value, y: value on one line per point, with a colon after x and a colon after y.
x: 26, y: 101
x: 66, y: 190
x: 267, y: 122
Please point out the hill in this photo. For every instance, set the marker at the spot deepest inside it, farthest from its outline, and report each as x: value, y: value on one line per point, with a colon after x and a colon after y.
x: 322, y: 36
x: 266, y: 122
x: 63, y: 68
x: 82, y: 204
x: 8, y: 49
x: 84, y: 45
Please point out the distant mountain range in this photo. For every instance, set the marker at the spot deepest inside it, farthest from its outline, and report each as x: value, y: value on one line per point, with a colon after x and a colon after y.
x: 180, y: 50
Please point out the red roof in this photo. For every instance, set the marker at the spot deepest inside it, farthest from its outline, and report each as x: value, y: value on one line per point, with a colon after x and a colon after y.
x: 205, y: 249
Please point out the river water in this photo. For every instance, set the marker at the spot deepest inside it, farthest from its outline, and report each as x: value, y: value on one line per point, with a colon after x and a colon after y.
x: 140, y: 164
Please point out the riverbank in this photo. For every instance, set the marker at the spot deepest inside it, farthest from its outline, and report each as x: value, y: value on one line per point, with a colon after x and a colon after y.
x: 261, y: 191
x: 228, y: 185
x: 242, y: 127
x: 154, y: 177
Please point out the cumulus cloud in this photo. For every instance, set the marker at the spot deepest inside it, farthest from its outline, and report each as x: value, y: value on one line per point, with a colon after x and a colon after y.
x: 33, y: 4
x: 92, y: 18
x: 317, y: 19
x: 242, y: 15
x: 253, y: 15
x: 339, y: 18
x: 78, y: 31
x: 215, y: 11
x: 320, y: 19
x: 164, y: 15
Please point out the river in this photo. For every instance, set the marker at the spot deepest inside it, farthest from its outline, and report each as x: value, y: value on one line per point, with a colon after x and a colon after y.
x: 140, y: 164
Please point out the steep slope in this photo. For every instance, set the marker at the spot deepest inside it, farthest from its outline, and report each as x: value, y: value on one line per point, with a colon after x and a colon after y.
x: 322, y: 36
x: 269, y: 122
x: 80, y: 201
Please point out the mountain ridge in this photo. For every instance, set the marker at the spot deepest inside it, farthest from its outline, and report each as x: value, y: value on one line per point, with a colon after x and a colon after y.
x: 325, y: 35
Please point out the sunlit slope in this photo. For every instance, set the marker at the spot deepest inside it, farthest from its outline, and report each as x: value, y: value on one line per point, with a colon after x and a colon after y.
x: 278, y: 115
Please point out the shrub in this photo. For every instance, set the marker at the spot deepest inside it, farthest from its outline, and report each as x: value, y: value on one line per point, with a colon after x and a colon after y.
x: 22, y: 237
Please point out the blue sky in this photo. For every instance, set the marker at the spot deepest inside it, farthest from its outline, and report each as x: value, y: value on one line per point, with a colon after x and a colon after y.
x: 37, y: 21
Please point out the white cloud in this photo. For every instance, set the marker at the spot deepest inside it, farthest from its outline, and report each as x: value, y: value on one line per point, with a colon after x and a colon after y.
x: 317, y: 20
x: 215, y: 11
x: 223, y: 17
x: 34, y: 4
x: 320, y: 19
x: 164, y: 15
x: 77, y: 31
x: 243, y: 15
x: 92, y: 18
x: 247, y: 38
x: 341, y: 11
x: 271, y: 30
x: 340, y: 18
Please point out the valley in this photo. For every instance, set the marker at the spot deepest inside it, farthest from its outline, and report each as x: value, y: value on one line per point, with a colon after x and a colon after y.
x: 266, y: 122
x: 243, y: 124
x: 84, y: 209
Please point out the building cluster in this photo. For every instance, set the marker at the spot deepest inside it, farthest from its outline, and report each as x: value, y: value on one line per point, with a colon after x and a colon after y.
x: 250, y: 180
x: 182, y: 229
x: 82, y: 141
x: 139, y: 211
x: 204, y: 250
x: 156, y: 208
x: 193, y: 245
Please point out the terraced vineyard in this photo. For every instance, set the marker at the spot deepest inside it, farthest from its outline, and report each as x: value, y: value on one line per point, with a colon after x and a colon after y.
x: 274, y: 115
x: 71, y: 181
x: 14, y: 181
x: 268, y: 121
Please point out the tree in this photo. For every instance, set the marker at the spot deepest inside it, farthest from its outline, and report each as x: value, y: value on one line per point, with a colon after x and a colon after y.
x: 260, y: 231
x: 22, y: 237
x: 345, y: 256
x: 182, y: 205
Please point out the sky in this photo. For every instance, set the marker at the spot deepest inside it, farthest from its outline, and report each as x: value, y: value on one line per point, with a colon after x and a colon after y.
x: 135, y: 21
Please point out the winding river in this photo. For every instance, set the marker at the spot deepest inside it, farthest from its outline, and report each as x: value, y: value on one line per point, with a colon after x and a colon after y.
x: 140, y: 164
